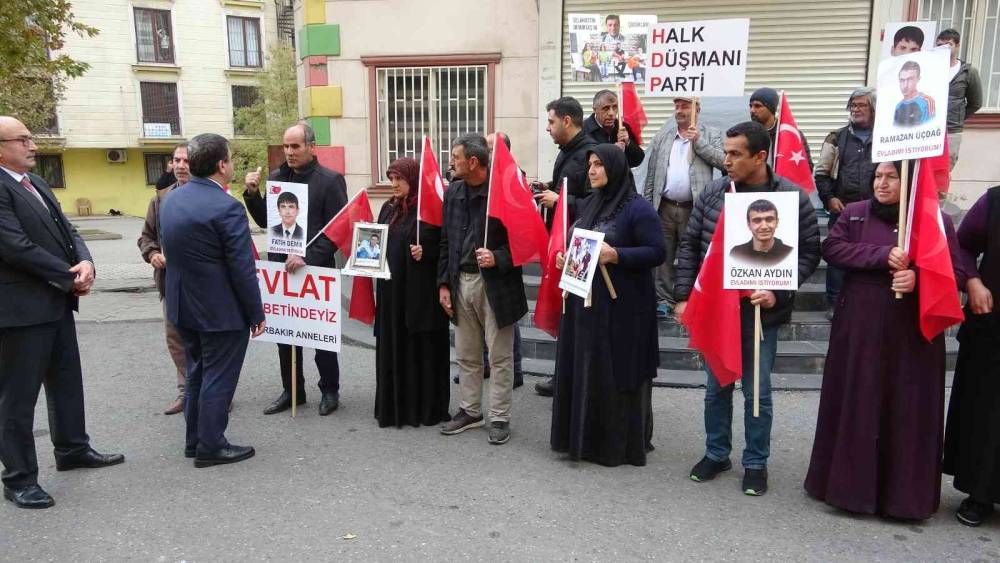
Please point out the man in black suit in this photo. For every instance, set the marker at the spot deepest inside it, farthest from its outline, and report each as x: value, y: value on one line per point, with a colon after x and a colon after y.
x: 44, y: 268
x: 327, y: 196
x: 212, y: 295
x: 480, y: 289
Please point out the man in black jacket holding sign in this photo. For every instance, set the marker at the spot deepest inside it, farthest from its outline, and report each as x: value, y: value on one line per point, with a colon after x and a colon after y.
x: 327, y: 196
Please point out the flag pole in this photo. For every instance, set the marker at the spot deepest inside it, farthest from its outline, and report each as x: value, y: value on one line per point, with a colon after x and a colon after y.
x: 334, y: 218
x: 904, y: 183
x: 295, y: 380
x: 497, y: 136
x: 777, y: 125
x: 694, y: 123
x: 420, y: 179
x: 757, y: 334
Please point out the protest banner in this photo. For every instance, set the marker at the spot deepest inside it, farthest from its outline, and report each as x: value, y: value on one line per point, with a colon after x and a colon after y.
x: 301, y: 308
x: 608, y: 47
x: 698, y: 58
x: 912, y: 109
x: 367, y: 252
x: 900, y: 38
x: 581, y: 262
x: 287, y: 209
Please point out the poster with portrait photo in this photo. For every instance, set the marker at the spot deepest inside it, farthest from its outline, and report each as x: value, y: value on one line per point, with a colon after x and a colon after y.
x: 367, y: 257
x: 912, y: 109
x: 581, y: 262
x: 609, y: 47
x: 287, y: 212
x: 762, y: 237
x: 900, y: 38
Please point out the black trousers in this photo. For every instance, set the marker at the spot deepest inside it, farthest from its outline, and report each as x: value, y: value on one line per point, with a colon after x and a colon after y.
x: 326, y: 363
x: 32, y: 356
x: 214, y: 362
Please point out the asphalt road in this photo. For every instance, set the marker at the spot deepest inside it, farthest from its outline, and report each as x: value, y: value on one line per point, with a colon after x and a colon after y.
x: 340, y: 488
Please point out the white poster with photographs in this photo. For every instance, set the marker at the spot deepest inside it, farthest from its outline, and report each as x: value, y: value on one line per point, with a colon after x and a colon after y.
x: 609, y: 47
x: 581, y: 262
x: 762, y: 237
x: 912, y: 110
x: 287, y: 213
x: 900, y: 38
x: 368, y: 251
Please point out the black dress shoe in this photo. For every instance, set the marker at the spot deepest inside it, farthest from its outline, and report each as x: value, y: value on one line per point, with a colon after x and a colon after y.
x: 89, y: 460
x: 544, y: 388
x: 31, y: 496
x: 284, y: 402
x: 232, y: 454
x: 189, y: 453
x: 329, y: 403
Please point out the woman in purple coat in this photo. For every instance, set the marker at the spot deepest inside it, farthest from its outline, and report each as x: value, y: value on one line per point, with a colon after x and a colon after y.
x: 881, y: 410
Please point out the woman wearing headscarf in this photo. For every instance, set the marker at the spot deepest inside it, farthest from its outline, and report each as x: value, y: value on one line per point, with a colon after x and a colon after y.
x: 411, y: 329
x: 608, y: 351
x: 881, y: 410
x: 972, y: 439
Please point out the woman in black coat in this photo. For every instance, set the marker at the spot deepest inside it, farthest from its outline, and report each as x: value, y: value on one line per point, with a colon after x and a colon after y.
x: 411, y: 329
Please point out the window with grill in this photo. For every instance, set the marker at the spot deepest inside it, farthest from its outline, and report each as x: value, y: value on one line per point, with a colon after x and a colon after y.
x: 159, y: 108
x: 50, y: 168
x: 156, y: 165
x: 154, y: 40
x: 442, y: 102
x: 243, y: 97
x: 977, y: 22
x: 244, y: 42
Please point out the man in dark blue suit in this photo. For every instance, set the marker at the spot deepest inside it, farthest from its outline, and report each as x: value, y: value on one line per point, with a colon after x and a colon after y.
x: 211, y: 295
x: 44, y: 268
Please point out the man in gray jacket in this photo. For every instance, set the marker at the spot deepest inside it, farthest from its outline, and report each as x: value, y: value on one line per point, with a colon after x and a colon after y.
x: 965, y: 92
x: 681, y: 161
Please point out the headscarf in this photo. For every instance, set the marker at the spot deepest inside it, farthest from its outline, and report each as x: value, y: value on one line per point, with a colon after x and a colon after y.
x: 409, y: 170
x: 887, y: 213
x: 605, y: 203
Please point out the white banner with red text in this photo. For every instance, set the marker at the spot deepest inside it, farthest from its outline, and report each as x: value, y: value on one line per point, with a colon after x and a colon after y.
x: 301, y: 309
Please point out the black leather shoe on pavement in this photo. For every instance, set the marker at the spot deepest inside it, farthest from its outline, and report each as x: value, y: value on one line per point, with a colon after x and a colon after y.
x: 284, y: 402
x: 31, y: 496
x: 708, y: 469
x: 232, y: 454
x: 190, y: 452
x: 544, y: 388
x: 972, y: 512
x: 89, y: 460
x: 329, y: 403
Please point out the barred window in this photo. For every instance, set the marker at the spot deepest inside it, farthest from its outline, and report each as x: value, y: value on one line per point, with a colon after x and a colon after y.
x: 159, y: 107
x: 244, y: 42
x: 243, y: 97
x: 154, y: 41
x: 156, y: 165
x: 977, y: 22
x: 50, y: 168
x: 442, y: 102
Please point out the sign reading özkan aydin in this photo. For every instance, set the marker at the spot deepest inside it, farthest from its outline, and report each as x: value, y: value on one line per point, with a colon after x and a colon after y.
x: 301, y: 309
x: 912, y: 109
x: 762, y: 240
x: 698, y: 58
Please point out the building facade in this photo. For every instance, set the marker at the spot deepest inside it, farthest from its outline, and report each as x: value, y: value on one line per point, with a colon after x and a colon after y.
x: 380, y: 75
x: 161, y: 72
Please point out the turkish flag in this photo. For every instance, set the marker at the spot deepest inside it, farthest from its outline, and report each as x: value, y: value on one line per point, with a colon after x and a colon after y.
x: 712, y: 315
x: 510, y: 201
x: 940, y: 168
x: 789, y: 153
x: 548, y: 307
x: 927, y: 245
x: 430, y: 197
x: 633, y: 115
x: 340, y: 230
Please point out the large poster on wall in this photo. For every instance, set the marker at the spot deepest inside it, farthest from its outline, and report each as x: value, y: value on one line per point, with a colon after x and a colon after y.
x: 608, y: 47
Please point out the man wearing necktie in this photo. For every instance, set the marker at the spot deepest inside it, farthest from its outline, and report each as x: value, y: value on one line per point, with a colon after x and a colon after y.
x: 44, y: 268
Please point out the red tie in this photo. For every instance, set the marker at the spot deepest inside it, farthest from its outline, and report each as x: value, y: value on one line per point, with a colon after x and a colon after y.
x: 27, y: 185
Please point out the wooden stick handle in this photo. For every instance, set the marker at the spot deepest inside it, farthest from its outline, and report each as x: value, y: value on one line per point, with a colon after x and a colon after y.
x: 295, y: 380
x: 757, y: 333
x: 904, y: 181
x: 607, y: 282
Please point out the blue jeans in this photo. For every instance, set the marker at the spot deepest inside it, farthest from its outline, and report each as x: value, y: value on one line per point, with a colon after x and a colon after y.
x: 834, y: 276
x: 719, y: 406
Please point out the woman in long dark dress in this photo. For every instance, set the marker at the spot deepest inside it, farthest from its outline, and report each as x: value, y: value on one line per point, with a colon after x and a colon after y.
x: 411, y: 329
x: 972, y: 439
x: 608, y: 353
x: 881, y: 410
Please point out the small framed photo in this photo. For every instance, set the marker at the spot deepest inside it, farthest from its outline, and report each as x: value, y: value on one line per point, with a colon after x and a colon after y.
x: 367, y: 252
x: 581, y: 262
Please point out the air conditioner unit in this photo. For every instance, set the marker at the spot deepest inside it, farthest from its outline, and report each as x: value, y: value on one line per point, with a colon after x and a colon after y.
x: 117, y: 155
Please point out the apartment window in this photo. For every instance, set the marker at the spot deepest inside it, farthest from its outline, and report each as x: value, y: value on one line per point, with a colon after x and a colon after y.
x: 977, y: 22
x: 160, y: 112
x: 442, y: 102
x: 50, y: 168
x: 243, y: 97
x: 156, y: 165
x: 244, y: 42
x: 154, y: 39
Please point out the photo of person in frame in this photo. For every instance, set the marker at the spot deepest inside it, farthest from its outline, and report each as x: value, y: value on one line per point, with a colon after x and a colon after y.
x: 763, y: 248
x: 288, y: 209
